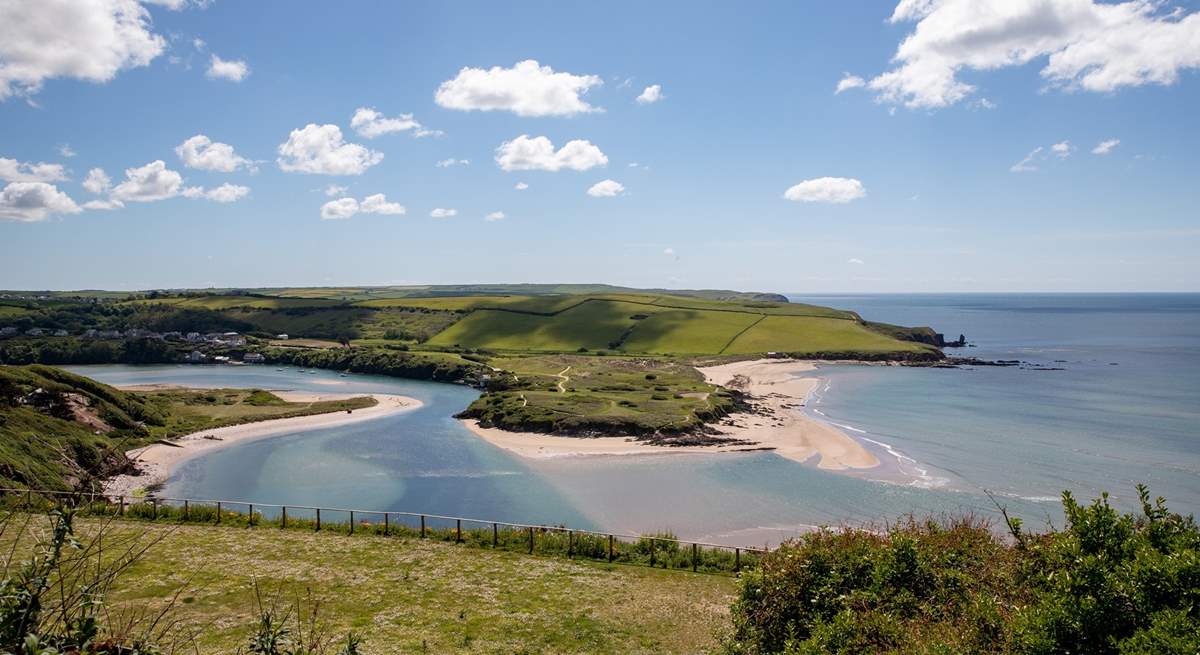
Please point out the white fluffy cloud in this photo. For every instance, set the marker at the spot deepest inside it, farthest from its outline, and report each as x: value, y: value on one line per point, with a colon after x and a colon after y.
x: 826, y: 189
x: 12, y: 170
x: 651, y: 95
x: 494, y: 216
x: 443, y: 213
x: 848, y: 82
x: 1062, y: 149
x: 338, y: 209
x: 103, y: 204
x: 234, y: 70
x: 370, y: 124
x: 224, y: 193
x: 97, y: 181
x: 606, y: 189
x: 374, y: 204
x: 320, y: 149
x: 204, y: 153
x: 856, y: 261
x: 526, y: 153
x: 447, y: 163
x: 34, y: 201
x: 335, y: 190
x: 66, y: 150
x: 90, y: 41
x: 520, y: 186
x: 526, y: 89
x: 1088, y: 45
x: 151, y: 182
x: 378, y: 204
x: 1106, y: 146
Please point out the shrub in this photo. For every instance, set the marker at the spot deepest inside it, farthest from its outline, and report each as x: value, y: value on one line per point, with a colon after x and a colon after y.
x: 1107, y: 583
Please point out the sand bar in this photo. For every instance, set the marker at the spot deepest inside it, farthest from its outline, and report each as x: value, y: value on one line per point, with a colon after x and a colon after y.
x: 784, y: 427
x: 157, y: 461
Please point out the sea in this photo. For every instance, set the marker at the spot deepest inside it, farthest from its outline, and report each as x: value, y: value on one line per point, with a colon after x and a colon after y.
x: 1107, y: 396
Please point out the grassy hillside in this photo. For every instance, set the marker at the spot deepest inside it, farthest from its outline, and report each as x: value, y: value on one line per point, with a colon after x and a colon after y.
x: 59, y: 430
x: 407, y: 595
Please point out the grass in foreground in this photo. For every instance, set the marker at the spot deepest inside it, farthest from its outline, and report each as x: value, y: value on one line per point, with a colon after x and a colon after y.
x: 414, y: 596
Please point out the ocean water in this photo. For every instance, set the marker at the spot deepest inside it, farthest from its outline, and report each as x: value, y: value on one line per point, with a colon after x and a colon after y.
x: 1124, y: 410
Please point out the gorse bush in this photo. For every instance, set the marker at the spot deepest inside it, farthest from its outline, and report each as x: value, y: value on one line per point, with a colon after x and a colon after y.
x: 1107, y: 583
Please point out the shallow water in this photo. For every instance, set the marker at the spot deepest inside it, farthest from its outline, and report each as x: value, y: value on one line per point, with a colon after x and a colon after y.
x: 1024, y: 435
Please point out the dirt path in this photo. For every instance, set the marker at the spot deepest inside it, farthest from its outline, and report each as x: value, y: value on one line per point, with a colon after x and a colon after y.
x: 563, y: 374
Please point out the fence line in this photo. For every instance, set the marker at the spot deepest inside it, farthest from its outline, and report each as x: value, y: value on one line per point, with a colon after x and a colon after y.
x: 123, y: 504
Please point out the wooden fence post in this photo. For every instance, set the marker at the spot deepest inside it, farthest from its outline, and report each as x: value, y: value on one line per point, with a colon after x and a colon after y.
x: 121, y: 507
x: 695, y: 550
x: 458, y: 531
x: 737, y: 560
x: 218, y: 512
x: 351, y: 521
x: 422, y: 526
x: 531, y: 540
x: 495, y: 536
x: 318, y: 519
x: 570, y: 544
x: 610, y: 548
x: 250, y: 519
x: 283, y: 518
x: 387, y: 528
x: 187, y: 511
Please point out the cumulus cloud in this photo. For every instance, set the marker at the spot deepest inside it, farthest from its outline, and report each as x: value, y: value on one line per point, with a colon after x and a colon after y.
x: 443, y: 213
x: 651, y: 95
x: 526, y: 89
x: 234, y: 70
x: 338, y: 209
x: 12, y: 170
x: 90, y: 41
x: 378, y: 204
x: 204, y: 153
x: 520, y: 186
x: 224, y: 193
x: 374, y: 204
x: 1106, y: 146
x: 34, y: 201
x: 97, y: 181
x: 370, y: 124
x: 848, y: 82
x: 335, y: 190
x: 526, y: 153
x: 494, y: 216
x: 66, y: 151
x: 836, y: 190
x: 151, y: 182
x: 1062, y: 149
x: 606, y: 189
x: 1029, y: 163
x: 1087, y: 45
x: 319, y: 149
x: 447, y: 163
x: 855, y: 260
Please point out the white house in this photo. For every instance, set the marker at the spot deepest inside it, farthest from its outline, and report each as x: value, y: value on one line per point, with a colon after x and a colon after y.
x: 253, y: 358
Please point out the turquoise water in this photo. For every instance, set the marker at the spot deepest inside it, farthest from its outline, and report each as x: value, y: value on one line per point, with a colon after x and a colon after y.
x: 1123, y: 411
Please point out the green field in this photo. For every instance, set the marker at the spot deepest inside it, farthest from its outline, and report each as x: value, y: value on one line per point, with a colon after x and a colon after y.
x: 408, y: 595
x: 798, y: 334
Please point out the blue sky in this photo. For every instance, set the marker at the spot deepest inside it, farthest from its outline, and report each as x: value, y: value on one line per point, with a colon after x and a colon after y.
x: 921, y: 145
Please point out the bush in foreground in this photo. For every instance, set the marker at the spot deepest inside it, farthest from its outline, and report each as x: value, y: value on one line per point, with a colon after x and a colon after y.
x: 1107, y: 583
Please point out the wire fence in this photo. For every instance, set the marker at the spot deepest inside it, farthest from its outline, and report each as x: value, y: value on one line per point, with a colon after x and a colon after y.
x: 654, y: 550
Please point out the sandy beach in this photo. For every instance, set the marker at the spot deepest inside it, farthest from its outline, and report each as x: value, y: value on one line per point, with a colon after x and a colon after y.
x: 781, y: 424
x: 158, y: 461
